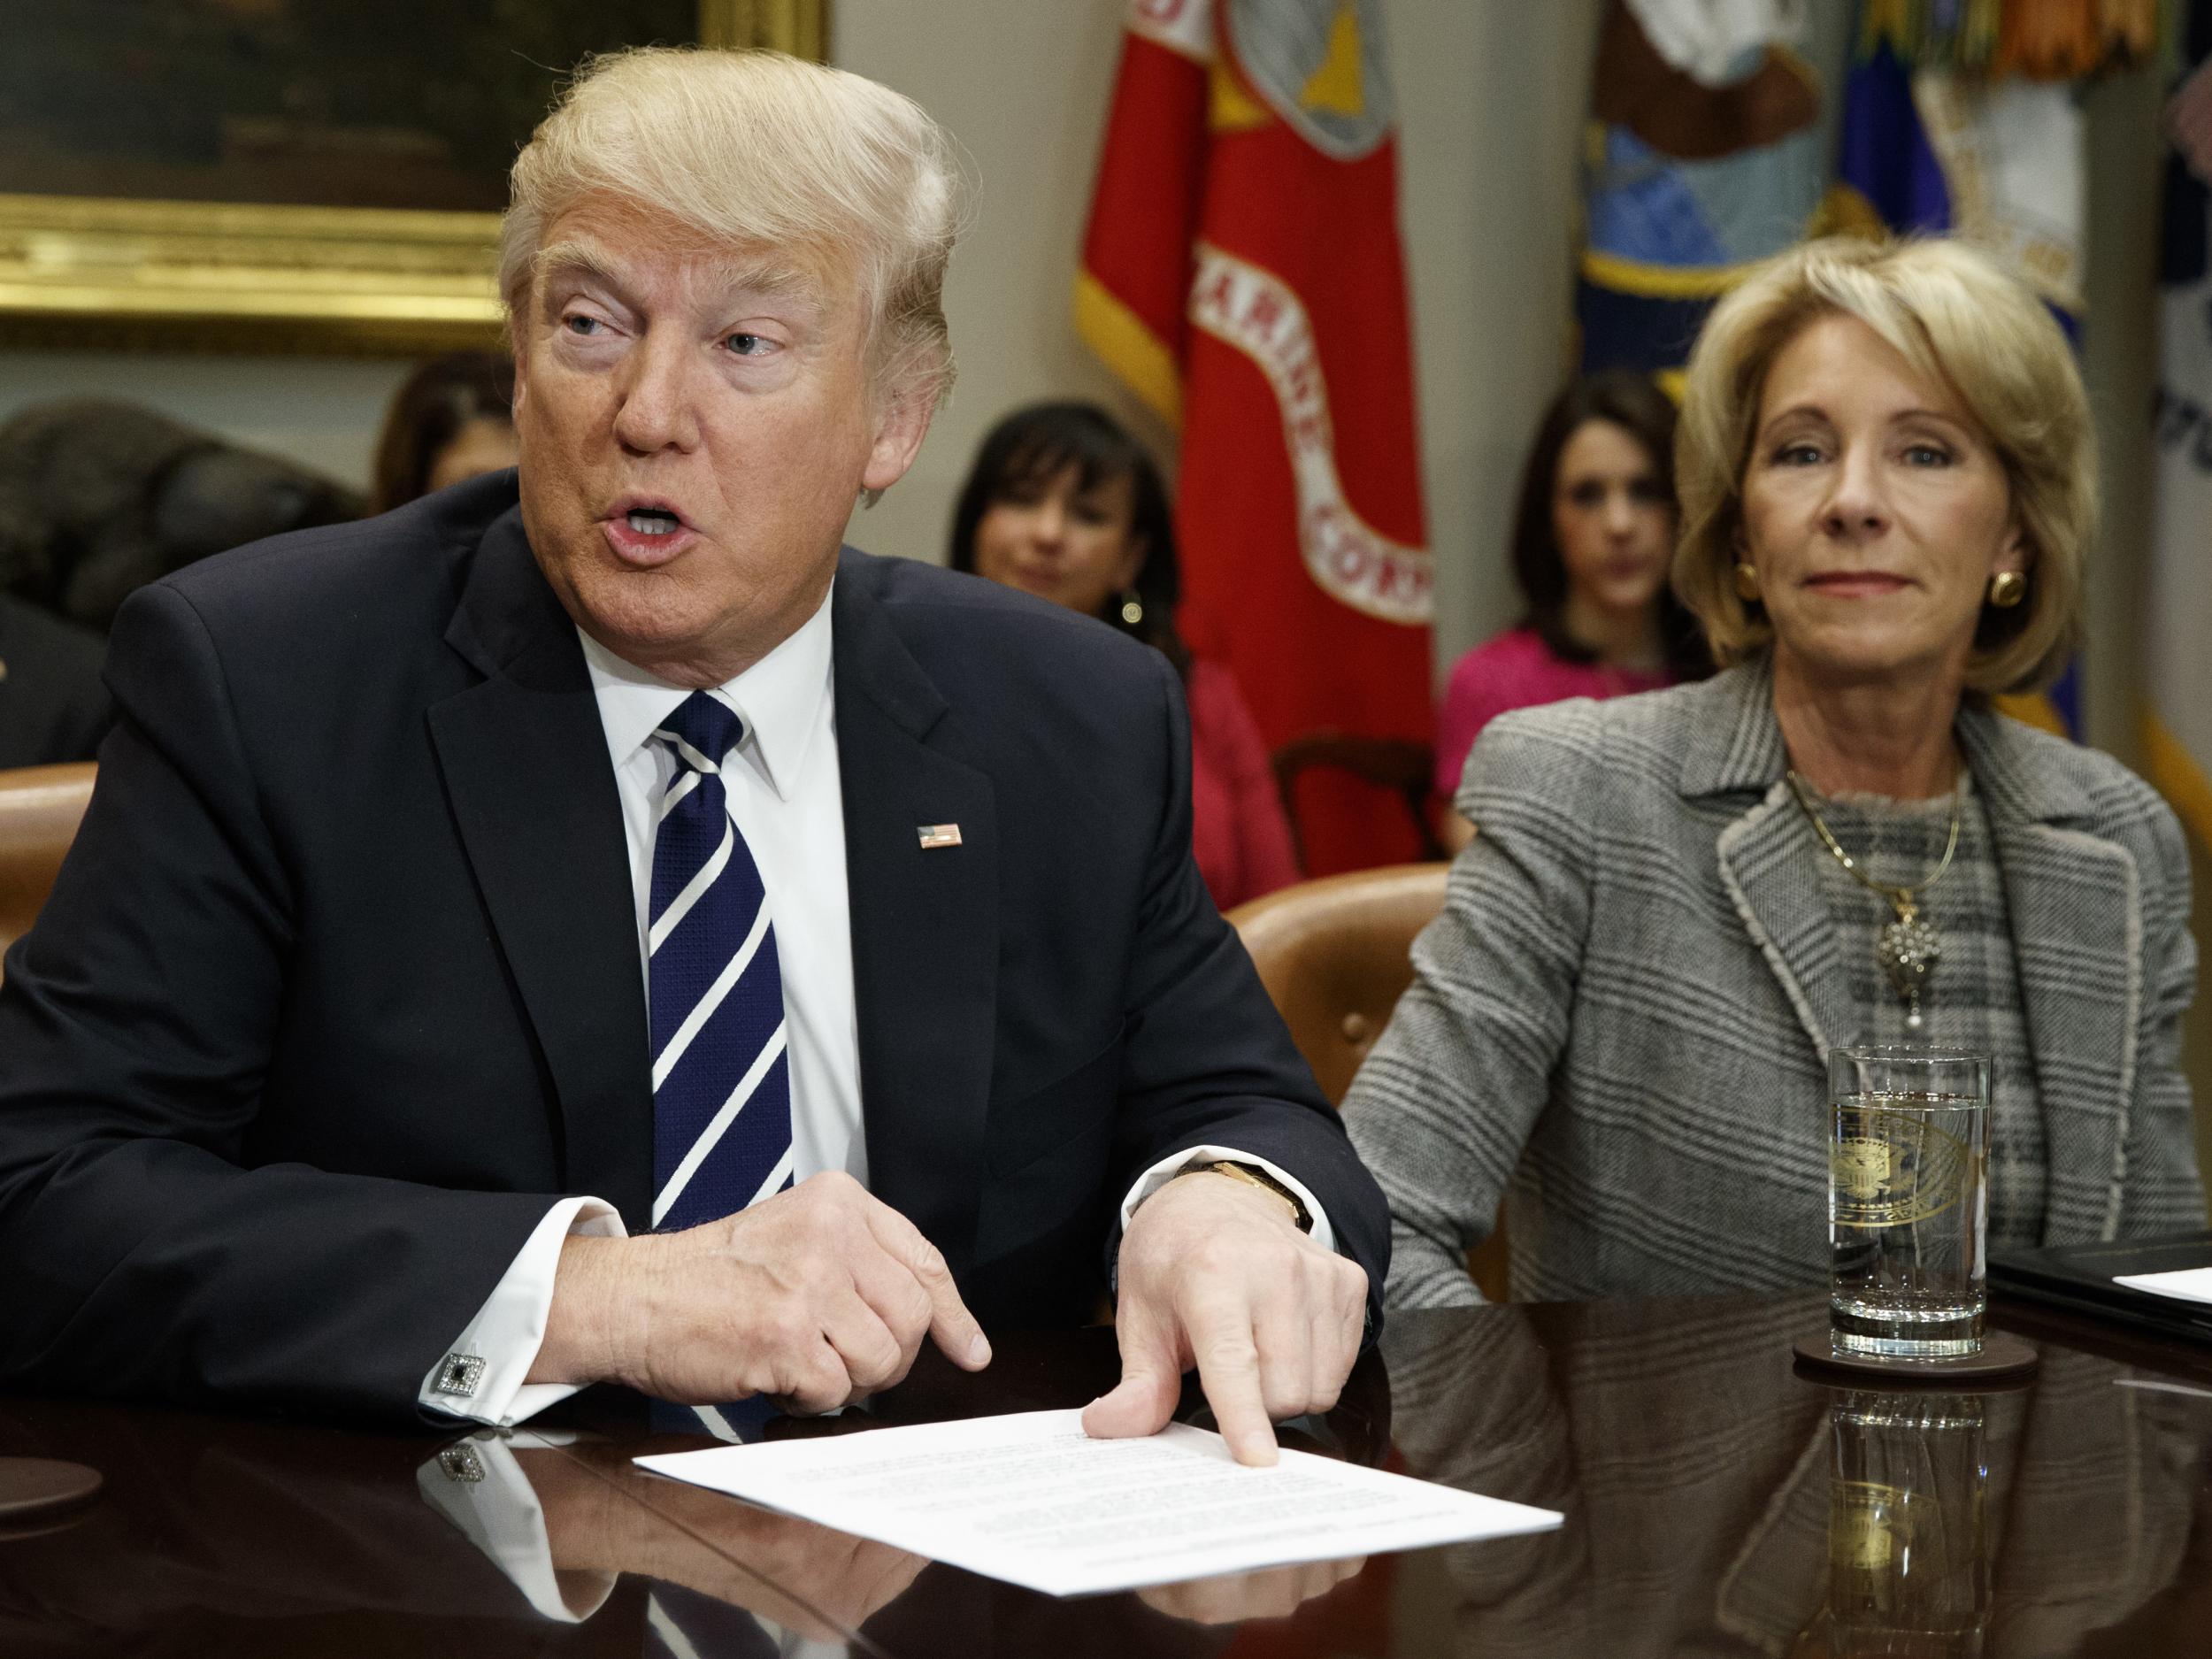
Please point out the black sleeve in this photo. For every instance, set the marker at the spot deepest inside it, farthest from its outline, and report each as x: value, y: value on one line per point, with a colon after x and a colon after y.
x: 1207, y: 1059
x: 141, y: 1252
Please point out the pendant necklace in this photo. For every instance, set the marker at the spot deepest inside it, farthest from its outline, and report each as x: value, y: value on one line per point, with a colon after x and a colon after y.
x: 1909, y: 947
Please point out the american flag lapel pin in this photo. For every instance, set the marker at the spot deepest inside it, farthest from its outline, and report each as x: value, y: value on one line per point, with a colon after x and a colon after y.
x: 937, y: 835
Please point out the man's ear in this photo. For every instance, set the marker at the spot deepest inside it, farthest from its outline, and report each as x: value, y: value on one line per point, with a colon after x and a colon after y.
x: 518, y: 349
x: 901, y: 423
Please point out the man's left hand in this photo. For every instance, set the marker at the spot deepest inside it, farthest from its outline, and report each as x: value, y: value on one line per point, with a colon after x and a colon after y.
x: 1216, y: 1273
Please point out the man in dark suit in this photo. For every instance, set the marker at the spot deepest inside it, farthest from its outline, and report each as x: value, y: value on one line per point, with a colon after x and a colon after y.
x: 583, y: 926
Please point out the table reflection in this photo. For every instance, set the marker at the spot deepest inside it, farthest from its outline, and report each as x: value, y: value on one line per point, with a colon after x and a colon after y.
x: 1716, y: 1502
x: 566, y: 1519
x: 924, y: 1608
x: 1907, y: 1552
x: 244, y: 1536
x: 225, y: 1535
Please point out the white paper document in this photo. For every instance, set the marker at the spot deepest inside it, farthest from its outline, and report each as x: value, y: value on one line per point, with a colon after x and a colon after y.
x: 1033, y: 1500
x: 2186, y: 1284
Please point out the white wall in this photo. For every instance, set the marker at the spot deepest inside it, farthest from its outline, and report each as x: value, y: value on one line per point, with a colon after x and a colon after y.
x: 2119, y: 363
x: 1493, y: 100
x: 1023, y: 87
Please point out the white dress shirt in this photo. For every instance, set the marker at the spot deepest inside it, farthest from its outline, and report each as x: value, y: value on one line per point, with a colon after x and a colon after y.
x: 786, y: 799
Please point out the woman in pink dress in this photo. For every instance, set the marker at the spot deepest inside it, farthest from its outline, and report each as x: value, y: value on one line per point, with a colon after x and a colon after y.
x: 1592, y: 540
x: 1064, y: 504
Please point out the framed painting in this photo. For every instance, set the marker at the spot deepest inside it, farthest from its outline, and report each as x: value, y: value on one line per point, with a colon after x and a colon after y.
x: 293, y: 175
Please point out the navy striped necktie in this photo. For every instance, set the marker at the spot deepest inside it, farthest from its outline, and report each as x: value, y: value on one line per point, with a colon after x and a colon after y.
x: 682, y: 1623
x: 721, y: 1081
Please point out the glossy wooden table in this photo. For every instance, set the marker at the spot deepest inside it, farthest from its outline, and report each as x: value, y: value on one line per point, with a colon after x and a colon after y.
x: 1716, y: 1504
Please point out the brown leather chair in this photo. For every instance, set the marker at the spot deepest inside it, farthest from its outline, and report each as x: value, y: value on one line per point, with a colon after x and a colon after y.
x: 1335, y: 956
x: 40, y: 809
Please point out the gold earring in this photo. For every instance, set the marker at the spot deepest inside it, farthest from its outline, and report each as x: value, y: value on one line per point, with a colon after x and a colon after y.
x: 1132, y: 607
x: 2008, y: 588
x: 1747, y: 581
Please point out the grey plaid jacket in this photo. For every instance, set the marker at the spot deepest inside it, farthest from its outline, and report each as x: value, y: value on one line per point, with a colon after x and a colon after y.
x: 1623, y: 1011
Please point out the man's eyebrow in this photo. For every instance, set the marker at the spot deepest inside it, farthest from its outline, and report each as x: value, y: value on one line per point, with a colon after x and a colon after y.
x: 575, y: 262
x: 769, y: 279
x: 579, y: 263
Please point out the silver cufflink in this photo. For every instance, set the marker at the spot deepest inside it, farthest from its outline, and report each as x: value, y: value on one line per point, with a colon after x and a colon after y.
x: 461, y: 1463
x: 459, y: 1375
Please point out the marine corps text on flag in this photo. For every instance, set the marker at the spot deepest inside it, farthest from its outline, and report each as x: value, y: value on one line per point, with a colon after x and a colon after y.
x: 1243, y: 272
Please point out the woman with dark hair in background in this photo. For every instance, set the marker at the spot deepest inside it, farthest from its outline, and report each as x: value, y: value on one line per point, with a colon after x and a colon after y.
x: 1592, y: 538
x: 452, y: 418
x: 1064, y: 504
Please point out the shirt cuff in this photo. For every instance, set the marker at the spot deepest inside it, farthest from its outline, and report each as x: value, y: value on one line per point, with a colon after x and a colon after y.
x: 480, y: 1377
x: 1176, y: 1163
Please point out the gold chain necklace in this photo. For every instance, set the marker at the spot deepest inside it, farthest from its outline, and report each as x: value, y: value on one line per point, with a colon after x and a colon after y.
x: 1909, y: 947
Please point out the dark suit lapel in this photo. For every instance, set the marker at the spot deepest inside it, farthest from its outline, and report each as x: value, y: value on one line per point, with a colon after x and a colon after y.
x: 924, y: 926
x: 524, y: 761
x: 2076, y: 919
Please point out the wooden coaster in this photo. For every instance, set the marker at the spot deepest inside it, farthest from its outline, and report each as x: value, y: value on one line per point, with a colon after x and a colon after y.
x: 34, y: 1488
x: 2004, y: 1358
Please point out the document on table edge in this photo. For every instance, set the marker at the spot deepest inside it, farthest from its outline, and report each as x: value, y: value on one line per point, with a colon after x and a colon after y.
x: 1012, y: 1497
x: 2182, y: 1283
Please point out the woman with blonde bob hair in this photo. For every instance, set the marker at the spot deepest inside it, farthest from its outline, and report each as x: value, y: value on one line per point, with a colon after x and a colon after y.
x: 1677, y: 903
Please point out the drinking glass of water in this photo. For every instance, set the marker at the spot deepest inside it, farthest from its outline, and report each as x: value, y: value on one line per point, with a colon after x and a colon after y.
x: 1908, y: 1201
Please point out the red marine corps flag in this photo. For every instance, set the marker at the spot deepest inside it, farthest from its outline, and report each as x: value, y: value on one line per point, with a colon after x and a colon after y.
x: 1243, y: 272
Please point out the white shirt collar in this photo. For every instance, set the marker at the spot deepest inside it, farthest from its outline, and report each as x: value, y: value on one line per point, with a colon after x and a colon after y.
x: 779, y: 698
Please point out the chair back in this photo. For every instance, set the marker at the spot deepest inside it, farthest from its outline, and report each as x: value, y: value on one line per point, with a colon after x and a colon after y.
x: 1336, y: 955
x: 40, y: 809
x: 1398, y: 764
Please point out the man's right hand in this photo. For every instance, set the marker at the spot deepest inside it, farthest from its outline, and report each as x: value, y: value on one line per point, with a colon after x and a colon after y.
x: 814, y: 1297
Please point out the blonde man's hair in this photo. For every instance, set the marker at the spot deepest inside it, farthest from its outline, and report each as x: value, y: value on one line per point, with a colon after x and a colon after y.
x: 1962, y: 322
x: 756, y: 152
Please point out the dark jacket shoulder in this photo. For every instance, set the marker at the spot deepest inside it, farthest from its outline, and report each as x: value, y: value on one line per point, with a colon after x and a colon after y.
x: 331, y: 579
x: 1001, y: 656
x: 932, y: 606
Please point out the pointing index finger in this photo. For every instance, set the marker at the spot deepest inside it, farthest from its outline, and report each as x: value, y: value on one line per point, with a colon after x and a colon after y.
x: 1229, y: 1371
x: 951, y: 1327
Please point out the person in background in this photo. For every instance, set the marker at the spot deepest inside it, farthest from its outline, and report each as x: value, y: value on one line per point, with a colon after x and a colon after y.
x: 52, y: 706
x: 452, y: 418
x: 1064, y: 504
x: 1592, y: 537
x: 98, y: 497
x: 1679, y: 903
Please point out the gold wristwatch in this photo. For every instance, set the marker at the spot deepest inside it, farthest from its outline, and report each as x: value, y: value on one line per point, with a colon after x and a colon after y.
x: 1267, y: 1183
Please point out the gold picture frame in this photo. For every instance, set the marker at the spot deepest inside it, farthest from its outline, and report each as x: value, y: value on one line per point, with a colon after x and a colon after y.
x: 79, y: 271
